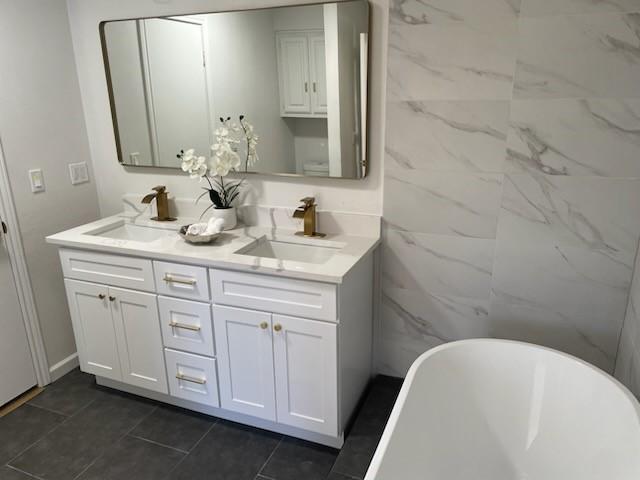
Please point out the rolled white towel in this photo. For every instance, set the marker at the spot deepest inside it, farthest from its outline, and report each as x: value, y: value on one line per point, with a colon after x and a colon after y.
x: 197, y: 229
x: 215, y: 225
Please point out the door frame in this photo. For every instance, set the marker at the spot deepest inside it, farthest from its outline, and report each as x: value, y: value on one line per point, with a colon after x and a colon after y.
x: 24, y: 289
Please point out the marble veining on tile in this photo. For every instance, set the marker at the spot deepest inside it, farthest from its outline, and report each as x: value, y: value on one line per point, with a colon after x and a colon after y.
x: 424, y: 12
x: 579, y: 289
x: 594, y: 137
x: 447, y: 136
x: 537, y: 8
x: 467, y: 60
x: 438, y: 264
x: 574, y: 56
x: 583, y: 212
x: 443, y: 203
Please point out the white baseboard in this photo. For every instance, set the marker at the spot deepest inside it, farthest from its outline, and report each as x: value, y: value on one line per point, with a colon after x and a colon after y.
x: 63, y: 367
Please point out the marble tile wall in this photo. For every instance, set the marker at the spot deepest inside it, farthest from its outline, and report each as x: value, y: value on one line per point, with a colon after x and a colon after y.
x: 512, y: 175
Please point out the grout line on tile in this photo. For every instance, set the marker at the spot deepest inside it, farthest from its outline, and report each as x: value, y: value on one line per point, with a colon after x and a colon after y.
x: 157, y: 443
x: 194, y: 447
x: 66, y: 415
x: 118, y: 440
x: 269, y: 458
x: 31, y: 475
x: 49, y: 432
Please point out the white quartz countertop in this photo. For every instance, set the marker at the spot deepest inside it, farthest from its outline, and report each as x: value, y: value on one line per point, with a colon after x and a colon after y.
x: 222, y: 252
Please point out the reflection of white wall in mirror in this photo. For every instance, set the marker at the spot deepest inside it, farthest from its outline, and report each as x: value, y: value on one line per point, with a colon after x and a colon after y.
x: 128, y: 86
x: 177, y: 76
x: 311, y: 146
x: 344, y: 22
x: 244, y: 80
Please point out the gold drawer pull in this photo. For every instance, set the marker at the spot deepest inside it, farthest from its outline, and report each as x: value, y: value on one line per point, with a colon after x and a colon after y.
x: 169, y: 279
x: 277, y: 327
x: 185, y: 326
x: 101, y: 296
x: 199, y: 381
x: 264, y: 325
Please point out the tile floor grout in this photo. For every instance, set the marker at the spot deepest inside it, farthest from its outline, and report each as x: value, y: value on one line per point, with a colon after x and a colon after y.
x: 50, y: 431
x: 23, y: 472
x: 66, y: 415
x: 115, y: 442
x: 192, y: 448
x: 269, y: 458
x: 153, y: 442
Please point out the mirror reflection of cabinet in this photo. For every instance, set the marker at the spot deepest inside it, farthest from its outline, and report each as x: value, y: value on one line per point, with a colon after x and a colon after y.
x: 302, y: 74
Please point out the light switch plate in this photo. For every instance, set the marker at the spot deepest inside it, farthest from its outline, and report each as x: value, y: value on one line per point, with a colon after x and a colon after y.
x: 36, y: 179
x: 78, y: 172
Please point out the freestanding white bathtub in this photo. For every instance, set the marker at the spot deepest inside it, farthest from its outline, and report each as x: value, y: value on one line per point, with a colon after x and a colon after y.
x: 503, y: 410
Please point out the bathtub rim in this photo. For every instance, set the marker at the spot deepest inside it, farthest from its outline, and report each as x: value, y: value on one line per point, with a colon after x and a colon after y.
x: 383, y: 444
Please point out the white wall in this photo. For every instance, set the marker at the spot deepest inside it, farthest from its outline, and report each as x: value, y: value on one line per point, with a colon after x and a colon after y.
x: 42, y: 126
x: 115, y: 180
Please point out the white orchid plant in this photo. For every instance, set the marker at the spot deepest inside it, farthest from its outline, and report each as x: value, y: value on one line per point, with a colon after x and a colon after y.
x: 224, y: 159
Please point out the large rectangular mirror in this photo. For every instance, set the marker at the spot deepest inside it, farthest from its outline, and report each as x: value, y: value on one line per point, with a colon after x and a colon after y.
x: 297, y: 75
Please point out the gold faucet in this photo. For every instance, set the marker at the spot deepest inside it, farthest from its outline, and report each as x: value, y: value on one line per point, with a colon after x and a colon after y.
x: 162, y: 202
x: 307, y: 211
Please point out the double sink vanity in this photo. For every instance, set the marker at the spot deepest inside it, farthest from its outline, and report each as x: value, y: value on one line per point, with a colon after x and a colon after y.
x: 261, y: 327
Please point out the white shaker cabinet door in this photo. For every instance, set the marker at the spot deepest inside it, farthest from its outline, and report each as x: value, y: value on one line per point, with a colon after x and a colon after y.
x: 245, y: 361
x: 318, y: 73
x: 93, y: 328
x: 293, y: 69
x: 305, y: 359
x: 137, y: 326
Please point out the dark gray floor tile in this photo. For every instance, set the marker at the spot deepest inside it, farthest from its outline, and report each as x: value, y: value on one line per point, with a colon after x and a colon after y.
x: 24, y: 426
x: 296, y: 459
x: 133, y: 458
x: 7, y: 473
x: 174, y: 427
x: 362, y: 440
x: 228, y: 452
x: 339, y: 476
x: 75, y: 444
x: 69, y: 394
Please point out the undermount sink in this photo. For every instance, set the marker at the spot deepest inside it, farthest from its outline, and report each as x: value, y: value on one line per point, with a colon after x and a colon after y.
x: 290, y: 250
x: 128, y: 231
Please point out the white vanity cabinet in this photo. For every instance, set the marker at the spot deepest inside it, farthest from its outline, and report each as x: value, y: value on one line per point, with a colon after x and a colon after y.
x: 285, y: 354
x: 117, y: 333
x: 302, y: 73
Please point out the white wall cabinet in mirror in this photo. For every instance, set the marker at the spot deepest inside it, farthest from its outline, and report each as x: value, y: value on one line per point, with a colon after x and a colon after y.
x: 297, y: 74
x: 302, y: 74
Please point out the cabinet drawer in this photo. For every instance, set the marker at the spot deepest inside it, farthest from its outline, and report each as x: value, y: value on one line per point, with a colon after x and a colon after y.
x: 179, y: 280
x: 186, y: 325
x: 300, y: 298
x: 192, y: 377
x: 116, y: 270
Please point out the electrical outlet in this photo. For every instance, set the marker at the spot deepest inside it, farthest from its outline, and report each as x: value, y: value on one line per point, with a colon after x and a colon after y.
x: 36, y: 179
x: 78, y: 172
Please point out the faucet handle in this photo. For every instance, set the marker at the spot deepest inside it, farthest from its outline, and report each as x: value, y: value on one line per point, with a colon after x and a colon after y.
x: 308, y: 201
x: 159, y: 188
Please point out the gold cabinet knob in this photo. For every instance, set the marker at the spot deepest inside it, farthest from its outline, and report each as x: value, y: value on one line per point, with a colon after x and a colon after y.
x: 112, y: 299
x: 264, y: 325
x: 101, y: 296
x: 277, y: 327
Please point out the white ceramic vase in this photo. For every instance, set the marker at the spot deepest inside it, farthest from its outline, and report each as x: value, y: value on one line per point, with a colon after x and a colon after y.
x: 230, y: 216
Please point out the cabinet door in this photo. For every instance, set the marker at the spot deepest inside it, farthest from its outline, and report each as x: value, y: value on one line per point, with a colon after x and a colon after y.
x: 318, y: 73
x: 93, y: 329
x: 135, y: 317
x: 245, y: 361
x: 305, y: 359
x: 293, y: 68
